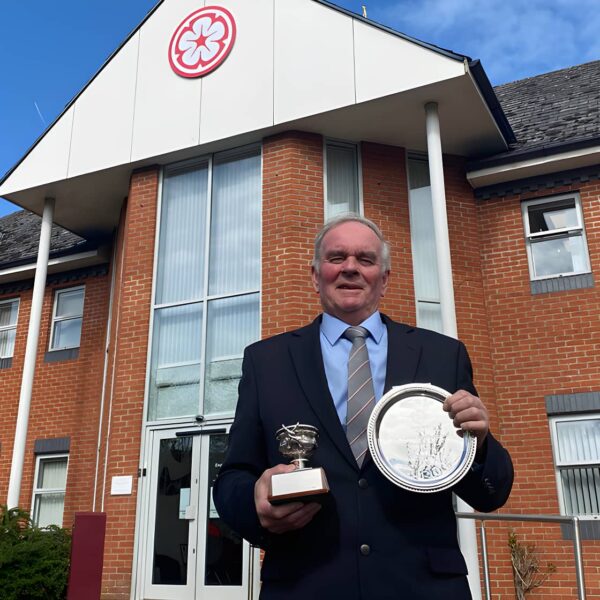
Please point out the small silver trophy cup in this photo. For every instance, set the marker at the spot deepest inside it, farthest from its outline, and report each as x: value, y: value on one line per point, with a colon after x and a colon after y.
x: 305, y: 484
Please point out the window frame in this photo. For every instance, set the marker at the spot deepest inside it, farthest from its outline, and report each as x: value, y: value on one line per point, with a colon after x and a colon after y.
x: 206, y: 297
x: 564, y: 232
x: 56, y: 319
x: 559, y: 465
x: 359, y: 180
x: 11, y: 327
x: 44, y: 491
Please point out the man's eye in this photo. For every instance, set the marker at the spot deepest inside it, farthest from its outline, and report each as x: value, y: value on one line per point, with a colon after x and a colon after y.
x: 336, y: 260
x: 364, y: 260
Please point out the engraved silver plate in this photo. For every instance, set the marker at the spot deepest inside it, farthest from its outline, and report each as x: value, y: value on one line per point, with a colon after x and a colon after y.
x: 414, y: 442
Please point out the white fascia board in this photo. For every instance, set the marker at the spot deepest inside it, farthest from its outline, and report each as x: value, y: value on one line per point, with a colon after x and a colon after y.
x: 61, y: 263
x: 532, y: 167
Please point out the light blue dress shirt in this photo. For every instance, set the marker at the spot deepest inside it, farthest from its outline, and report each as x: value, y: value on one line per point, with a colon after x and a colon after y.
x: 336, y: 350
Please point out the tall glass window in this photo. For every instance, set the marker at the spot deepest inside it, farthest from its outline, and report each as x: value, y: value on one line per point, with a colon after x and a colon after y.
x: 207, y: 293
x: 429, y: 313
x: 49, y: 490
x: 342, y: 189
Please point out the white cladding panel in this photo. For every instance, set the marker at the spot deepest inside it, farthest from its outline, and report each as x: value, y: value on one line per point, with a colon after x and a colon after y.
x: 103, y: 120
x: 314, y: 64
x: 167, y: 106
x: 387, y: 64
x: 48, y: 161
x: 238, y: 96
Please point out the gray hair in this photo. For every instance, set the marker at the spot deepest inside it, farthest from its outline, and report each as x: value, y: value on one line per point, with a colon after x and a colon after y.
x: 351, y: 218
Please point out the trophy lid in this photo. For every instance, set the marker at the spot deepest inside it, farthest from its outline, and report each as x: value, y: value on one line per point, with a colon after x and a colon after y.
x: 414, y: 442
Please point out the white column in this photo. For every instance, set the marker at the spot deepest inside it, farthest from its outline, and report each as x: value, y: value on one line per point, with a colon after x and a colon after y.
x: 39, y: 285
x: 466, y: 528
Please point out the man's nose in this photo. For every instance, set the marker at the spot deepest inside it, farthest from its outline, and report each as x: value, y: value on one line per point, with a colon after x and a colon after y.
x: 350, y: 264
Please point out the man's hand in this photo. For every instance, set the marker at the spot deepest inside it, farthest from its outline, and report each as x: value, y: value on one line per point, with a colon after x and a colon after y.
x: 468, y: 413
x: 285, y: 517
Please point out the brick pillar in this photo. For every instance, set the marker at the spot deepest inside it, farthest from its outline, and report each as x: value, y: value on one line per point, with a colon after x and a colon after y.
x: 292, y: 215
x: 127, y: 374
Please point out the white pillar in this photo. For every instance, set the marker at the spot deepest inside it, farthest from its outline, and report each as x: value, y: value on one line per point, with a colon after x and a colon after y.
x: 37, y: 300
x: 466, y: 528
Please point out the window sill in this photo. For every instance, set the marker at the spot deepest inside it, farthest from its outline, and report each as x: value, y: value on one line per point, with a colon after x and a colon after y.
x: 61, y: 355
x: 562, y: 284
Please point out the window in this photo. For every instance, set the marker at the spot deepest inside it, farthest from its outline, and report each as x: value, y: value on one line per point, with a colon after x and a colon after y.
x: 342, y: 178
x: 207, y: 290
x: 49, y: 490
x: 9, y: 311
x: 576, y: 445
x: 555, y: 238
x: 67, y: 318
x: 422, y: 235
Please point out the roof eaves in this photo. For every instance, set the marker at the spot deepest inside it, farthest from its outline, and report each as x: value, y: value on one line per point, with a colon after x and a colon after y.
x: 489, y: 95
x: 551, y: 149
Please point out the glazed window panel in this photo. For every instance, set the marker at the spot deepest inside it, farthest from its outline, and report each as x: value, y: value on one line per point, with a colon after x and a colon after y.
x: 576, y: 444
x: 209, y: 256
x: 67, y: 318
x: 555, y: 237
x: 49, y: 491
x: 342, y: 189
x: 9, y: 312
x: 422, y: 237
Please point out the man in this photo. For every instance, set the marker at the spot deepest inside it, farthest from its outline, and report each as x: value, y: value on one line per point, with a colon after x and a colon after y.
x: 370, y: 539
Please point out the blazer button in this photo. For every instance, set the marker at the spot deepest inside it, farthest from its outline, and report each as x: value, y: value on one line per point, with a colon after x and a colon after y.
x: 363, y: 484
x: 365, y: 549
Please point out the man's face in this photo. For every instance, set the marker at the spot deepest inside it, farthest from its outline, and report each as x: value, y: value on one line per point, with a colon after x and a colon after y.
x: 351, y: 279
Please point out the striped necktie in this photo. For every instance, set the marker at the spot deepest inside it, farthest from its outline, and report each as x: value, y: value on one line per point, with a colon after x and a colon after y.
x: 361, y: 397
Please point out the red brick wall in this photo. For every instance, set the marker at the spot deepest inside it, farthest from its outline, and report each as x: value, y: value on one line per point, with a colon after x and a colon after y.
x: 65, y: 399
x: 292, y: 213
x: 541, y: 345
x: 124, y: 398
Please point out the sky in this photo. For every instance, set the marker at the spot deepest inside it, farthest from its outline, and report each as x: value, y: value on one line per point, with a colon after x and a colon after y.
x: 50, y: 50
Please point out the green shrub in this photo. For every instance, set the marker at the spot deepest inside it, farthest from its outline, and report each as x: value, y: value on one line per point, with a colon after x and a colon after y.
x: 34, y: 562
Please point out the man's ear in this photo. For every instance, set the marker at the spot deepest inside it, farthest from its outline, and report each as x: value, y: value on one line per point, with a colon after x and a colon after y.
x: 315, y: 279
x: 386, y: 279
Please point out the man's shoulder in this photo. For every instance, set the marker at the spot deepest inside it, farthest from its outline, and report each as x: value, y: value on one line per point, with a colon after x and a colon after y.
x: 418, y: 335
x: 283, y: 339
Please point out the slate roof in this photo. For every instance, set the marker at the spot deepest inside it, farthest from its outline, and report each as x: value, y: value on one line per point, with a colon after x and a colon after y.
x: 554, y: 108
x: 20, y: 236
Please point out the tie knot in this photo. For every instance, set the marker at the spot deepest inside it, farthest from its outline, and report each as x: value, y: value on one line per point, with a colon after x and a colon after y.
x: 354, y: 333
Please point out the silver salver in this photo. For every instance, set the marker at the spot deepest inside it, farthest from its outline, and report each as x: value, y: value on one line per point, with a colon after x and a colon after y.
x: 414, y: 442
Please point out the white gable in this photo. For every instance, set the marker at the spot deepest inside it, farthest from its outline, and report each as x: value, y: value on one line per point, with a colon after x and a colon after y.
x: 292, y: 61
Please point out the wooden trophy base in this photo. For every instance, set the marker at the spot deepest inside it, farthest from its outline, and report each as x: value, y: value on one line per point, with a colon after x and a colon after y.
x: 301, y: 485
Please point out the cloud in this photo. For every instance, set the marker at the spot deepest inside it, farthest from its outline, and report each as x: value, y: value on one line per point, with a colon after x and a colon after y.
x: 513, y: 38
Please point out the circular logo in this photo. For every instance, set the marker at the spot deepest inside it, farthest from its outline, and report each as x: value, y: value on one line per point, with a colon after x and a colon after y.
x: 202, y: 41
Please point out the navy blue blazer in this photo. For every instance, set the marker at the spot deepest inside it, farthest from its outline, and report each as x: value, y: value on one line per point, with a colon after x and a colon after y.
x: 412, y: 543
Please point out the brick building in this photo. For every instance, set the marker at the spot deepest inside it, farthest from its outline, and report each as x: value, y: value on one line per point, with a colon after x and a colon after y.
x: 179, y: 194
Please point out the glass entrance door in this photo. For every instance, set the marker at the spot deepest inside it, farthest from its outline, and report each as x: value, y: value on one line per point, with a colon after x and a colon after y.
x: 190, y: 553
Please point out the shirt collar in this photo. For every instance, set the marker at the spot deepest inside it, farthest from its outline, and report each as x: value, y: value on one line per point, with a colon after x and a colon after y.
x: 333, y: 328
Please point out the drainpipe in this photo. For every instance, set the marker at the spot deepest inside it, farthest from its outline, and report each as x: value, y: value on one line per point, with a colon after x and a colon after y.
x: 466, y: 527
x: 33, y: 334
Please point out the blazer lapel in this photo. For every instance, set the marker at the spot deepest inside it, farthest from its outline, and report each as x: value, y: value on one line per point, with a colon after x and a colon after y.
x: 305, y: 350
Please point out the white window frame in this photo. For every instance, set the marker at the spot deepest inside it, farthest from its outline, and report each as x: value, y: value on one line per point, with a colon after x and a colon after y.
x: 56, y: 319
x: 344, y: 144
x: 45, y: 491
x: 205, y: 298
x: 530, y: 238
x: 11, y: 327
x: 558, y: 465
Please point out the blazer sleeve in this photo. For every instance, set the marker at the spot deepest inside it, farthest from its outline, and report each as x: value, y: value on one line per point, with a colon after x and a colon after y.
x: 487, y: 485
x: 244, y: 463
